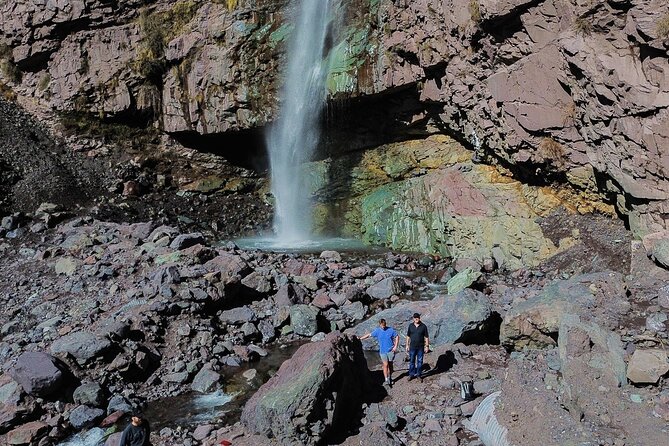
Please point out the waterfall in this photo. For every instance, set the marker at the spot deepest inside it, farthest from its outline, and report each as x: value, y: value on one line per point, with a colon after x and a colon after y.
x: 293, y: 138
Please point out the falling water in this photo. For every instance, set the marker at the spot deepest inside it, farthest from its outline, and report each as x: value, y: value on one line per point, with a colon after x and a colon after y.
x: 292, y: 140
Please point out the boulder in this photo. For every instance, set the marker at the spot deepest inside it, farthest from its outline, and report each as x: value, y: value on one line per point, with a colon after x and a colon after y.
x: 535, y: 322
x: 231, y: 267
x: 586, y: 349
x: 462, y: 280
x: 39, y: 374
x: 82, y: 345
x: 206, y: 381
x: 304, y: 320
x: 258, y: 282
x: 237, y: 315
x: 385, y: 288
x: 449, y: 318
x: 85, y: 416
x: 314, y: 394
x: 27, y: 434
x: 117, y: 403
x: 114, y: 439
x: 184, y: 241
x: 89, y: 394
x: 647, y: 366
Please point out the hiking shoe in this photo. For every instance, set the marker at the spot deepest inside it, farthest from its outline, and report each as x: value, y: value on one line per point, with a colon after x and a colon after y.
x: 411, y: 378
x: 421, y: 378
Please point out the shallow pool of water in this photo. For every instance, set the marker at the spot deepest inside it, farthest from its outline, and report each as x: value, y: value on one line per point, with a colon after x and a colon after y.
x: 315, y: 245
x: 225, y: 406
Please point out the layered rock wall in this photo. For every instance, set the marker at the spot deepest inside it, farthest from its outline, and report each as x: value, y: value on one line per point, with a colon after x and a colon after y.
x: 565, y: 91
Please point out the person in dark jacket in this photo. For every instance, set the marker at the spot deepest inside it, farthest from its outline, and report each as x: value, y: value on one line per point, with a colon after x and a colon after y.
x: 418, y: 342
x: 137, y: 433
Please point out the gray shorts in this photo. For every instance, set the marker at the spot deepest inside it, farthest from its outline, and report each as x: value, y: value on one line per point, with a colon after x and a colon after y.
x: 387, y: 357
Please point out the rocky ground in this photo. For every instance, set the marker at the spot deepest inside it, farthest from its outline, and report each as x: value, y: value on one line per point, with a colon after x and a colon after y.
x: 100, y: 317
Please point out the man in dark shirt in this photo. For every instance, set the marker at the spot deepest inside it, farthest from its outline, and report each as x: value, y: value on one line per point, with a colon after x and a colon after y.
x: 418, y: 342
x: 137, y: 433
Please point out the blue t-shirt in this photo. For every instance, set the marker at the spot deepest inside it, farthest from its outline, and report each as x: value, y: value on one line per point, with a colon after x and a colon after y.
x: 385, y: 337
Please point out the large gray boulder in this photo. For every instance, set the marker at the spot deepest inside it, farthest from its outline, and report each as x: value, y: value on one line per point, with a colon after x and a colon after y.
x: 317, y: 392
x: 39, y: 374
x: 82, y: 345
x: 448, y: 318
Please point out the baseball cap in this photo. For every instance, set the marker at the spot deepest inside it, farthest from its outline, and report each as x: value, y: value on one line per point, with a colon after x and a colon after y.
x: 416, y: 315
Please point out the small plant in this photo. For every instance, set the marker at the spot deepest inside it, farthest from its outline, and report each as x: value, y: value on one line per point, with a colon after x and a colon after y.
x: 158, y: 28
x: 553, y: 151
x: 475, y: 11
x: 569, y: 114
x: 44, y: 82
x: 7, y: 66
x: 6, y: 51
x: 582, y: 26
x: 663, y: 26
x: 7, y: 93
x: 10, y: 71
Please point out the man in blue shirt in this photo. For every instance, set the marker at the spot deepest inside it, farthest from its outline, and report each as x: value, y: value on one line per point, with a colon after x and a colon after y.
x: 388, y: 341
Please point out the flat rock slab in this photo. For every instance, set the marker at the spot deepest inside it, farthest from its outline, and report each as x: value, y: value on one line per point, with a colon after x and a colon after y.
x: 82, y: 345
x: 448, y: 318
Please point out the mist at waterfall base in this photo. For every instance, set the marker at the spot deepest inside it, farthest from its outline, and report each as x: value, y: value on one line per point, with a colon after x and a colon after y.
x: 294, y: 137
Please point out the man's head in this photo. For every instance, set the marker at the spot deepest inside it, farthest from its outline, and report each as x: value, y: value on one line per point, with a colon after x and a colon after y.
x: 416, y: 318
x: 382, y: 323
x: 137, y: 418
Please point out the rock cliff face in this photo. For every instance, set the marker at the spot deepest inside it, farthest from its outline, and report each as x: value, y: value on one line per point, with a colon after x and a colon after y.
x: 553, y: 92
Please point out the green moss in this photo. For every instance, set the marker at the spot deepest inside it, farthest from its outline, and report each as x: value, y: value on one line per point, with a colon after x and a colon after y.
x: 158, y: 29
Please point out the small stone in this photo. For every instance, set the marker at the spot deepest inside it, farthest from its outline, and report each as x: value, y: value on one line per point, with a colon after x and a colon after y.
x: 250, y: 374
x: 206, y: 381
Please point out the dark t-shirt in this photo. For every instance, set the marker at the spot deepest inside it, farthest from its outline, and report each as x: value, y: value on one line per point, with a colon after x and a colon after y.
x: 136, y: 435
x: 417, y: 335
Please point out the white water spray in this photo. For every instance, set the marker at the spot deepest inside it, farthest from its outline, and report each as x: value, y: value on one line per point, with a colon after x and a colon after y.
x: 293, y: 139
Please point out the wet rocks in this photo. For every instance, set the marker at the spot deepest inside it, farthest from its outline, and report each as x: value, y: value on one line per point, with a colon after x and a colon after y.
x: 316, y: 392
x: 206, y: 381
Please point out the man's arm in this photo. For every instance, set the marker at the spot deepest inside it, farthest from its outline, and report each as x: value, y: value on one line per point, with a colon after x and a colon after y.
x: 427, y: 340
x: 397, y: 342
x: 408, y: 335
x: 124, y: 438
x: 365, y: 336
